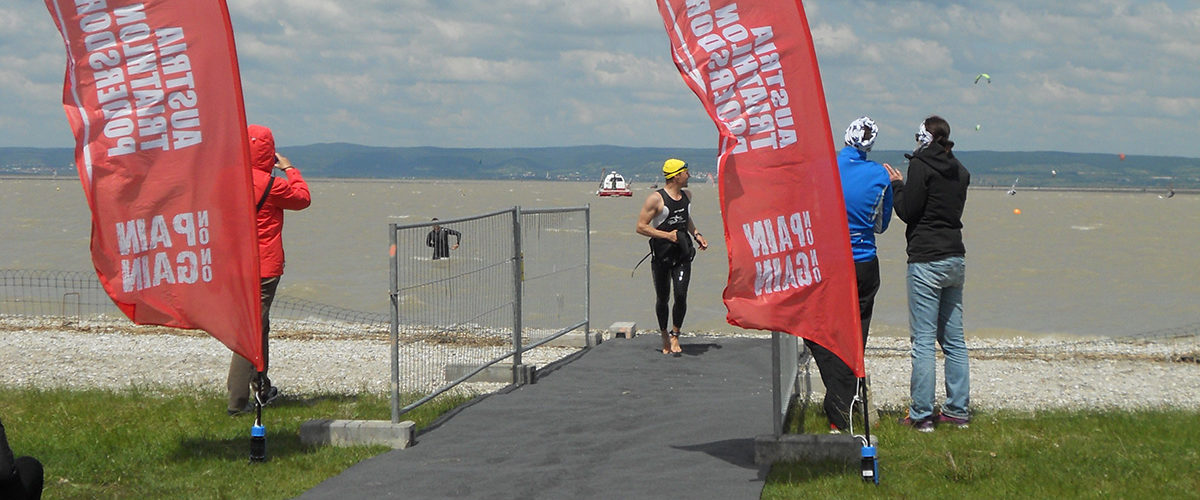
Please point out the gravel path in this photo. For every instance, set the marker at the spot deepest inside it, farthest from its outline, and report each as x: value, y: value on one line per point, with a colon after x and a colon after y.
x: 1019, y: 374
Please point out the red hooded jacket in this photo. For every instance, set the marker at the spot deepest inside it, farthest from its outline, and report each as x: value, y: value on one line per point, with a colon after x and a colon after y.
x: 286, y: 194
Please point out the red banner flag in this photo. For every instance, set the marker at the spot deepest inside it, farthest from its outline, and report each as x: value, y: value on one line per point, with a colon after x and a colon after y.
x: 154, y: 99
x: 754, y: 68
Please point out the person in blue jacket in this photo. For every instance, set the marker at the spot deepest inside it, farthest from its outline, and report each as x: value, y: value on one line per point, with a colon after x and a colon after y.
x: 867, y: 189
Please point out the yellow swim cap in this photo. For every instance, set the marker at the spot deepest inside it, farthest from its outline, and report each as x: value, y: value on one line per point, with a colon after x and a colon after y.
x: 673, y: 167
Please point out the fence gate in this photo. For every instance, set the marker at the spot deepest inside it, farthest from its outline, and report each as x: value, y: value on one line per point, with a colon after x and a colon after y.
x: 469, y: 292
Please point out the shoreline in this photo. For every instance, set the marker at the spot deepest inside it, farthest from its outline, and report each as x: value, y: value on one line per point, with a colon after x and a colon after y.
x: 437, y: 180
x: 1025, y: 374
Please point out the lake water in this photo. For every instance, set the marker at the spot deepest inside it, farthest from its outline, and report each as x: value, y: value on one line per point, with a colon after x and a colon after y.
x: 1071, y: 263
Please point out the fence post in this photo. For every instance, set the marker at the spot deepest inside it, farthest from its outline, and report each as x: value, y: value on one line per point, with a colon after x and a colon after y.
x: 587, y: 275
x: 776, y: 383
x: 518, y: 275
x: 394, y: 292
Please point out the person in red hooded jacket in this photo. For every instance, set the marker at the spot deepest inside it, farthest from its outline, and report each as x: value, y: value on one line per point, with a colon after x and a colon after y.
x: 273, y: 195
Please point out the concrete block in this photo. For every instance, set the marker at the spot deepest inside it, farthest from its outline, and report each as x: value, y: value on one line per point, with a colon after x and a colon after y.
x: 577, y: 339
x: 502, y: 373
x: 321, y: 432
x: 623, y: 329
x: 524, y: 374
x: 499, y: 373
x: 810, y: 448
x: 315, y: 432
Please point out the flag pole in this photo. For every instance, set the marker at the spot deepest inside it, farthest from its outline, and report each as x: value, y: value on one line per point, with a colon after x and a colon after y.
x: 870, y: 462
x: 258, y: 433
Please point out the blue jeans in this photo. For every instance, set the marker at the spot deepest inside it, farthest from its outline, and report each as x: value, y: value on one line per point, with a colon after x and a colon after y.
x: 935, y: 305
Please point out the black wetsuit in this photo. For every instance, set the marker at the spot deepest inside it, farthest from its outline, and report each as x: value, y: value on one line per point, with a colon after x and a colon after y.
x: 669, y: 268
x: 439, y: 239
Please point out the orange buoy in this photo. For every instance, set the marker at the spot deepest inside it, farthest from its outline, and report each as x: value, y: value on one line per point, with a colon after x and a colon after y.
x: 1016, y: 211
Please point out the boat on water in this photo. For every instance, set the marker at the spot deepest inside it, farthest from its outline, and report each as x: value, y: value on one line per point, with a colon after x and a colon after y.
x: 614, y: 185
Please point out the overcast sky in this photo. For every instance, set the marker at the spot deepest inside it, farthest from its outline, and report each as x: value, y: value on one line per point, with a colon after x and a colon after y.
x: 1105, y: 76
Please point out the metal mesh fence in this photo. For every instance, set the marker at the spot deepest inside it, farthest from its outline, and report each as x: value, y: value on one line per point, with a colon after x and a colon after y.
x: 458, y: 289
x: 77, y: 295
x: 72, y: 294
x: 554, y: 244
x: 458, y: 294
x: 454, y: 296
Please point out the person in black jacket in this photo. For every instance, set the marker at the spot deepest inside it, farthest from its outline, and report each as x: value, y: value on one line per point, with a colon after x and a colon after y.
x: 20, y: 478
x: 931, y: 203
x: 439, y: 240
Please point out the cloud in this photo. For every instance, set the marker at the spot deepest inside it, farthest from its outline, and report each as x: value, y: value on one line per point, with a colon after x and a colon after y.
x: 1055, y: 67
x: 476, y: 73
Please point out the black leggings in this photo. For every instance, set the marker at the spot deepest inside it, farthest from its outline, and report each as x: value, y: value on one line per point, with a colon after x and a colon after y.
x: 666, y: 278
x: 840, y: 382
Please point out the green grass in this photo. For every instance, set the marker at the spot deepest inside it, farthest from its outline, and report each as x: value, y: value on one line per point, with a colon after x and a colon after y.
x: 144, y: 443
x: 1005, y: 454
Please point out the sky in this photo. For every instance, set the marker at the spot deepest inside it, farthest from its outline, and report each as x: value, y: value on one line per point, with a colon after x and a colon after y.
x: 1095, y: 76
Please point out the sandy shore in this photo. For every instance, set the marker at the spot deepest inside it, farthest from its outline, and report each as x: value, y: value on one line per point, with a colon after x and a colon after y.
x: 1006, y: 373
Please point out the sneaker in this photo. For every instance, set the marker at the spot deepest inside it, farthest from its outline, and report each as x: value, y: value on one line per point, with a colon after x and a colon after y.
x: 961, y: 423
x: 833, y: 429
x: 245, y: 409
x: 922, y: 425
x: 266, y: 397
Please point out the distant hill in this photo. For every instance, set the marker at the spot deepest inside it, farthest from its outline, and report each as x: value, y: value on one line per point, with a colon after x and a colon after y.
x: 342, y: 160
x: 1058, y: 169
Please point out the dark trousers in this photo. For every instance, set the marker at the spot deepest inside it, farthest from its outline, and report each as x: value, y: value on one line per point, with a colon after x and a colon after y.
x: 20, y: 478
x: 25, y: 481
x: 840, y: 382
x: 242, y: 375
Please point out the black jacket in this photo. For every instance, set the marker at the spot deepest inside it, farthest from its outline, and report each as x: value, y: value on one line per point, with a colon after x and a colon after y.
x: 931, y: 203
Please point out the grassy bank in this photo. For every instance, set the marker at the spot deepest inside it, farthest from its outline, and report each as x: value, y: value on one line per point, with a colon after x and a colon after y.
x: 147, y: 444
x: 1052, y: 454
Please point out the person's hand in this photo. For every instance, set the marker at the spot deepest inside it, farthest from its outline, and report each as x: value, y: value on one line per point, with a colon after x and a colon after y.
x: 455, y: 247
x: 701, y: 241
x: 893, y: 173
x: 282, y: 162
x: 673, y: 236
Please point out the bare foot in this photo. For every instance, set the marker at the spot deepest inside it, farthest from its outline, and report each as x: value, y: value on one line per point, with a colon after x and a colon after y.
x: 666, y: 338
x: 675, y: 343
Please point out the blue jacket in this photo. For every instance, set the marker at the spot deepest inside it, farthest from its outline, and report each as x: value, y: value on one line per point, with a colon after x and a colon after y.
x: 868, y: 194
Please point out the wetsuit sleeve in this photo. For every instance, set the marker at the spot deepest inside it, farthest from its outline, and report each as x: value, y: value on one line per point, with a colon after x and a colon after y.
x: 457, y: 236
x: 909, y: 196
x: 291, y: 195
x: 429, y: 238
